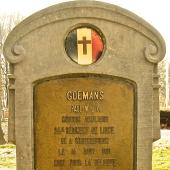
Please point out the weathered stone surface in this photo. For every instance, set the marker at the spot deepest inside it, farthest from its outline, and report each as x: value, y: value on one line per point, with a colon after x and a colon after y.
x: 36, y: 51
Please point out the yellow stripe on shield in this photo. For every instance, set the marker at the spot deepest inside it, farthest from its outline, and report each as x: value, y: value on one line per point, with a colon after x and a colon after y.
x: 84, y: 46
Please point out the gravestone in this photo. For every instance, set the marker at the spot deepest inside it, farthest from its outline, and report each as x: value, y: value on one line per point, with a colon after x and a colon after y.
x: 84, y: 91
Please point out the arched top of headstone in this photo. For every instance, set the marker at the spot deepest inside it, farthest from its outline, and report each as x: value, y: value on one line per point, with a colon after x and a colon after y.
x: 15, y: 52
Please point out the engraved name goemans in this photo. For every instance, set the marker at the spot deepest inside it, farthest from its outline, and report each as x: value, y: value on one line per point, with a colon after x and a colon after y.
x: 85, y: 95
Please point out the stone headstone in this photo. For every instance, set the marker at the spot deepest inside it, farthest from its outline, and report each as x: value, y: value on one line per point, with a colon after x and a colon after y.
x: 84, y: 88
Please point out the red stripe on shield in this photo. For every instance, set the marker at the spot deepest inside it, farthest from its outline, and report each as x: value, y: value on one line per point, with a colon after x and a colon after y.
x: 97, y: 46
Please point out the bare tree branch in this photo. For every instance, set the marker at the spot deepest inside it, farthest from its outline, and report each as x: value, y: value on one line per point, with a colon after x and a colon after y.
x: 7, y: 23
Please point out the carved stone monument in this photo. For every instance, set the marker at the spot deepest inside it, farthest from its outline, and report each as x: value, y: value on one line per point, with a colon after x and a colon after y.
x: 84, y: 88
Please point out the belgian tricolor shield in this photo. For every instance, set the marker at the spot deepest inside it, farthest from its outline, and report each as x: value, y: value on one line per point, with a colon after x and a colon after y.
x: 84, y: 45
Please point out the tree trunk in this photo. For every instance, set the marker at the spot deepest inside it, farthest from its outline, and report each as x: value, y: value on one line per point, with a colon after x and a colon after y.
x: 2, y: 139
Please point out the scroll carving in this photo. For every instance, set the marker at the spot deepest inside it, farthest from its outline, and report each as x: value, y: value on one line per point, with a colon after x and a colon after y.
x: 152, y: 53
x: 16, y: 54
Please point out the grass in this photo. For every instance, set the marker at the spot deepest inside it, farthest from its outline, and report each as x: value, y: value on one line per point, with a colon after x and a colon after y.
x: 7, y: 146
x: 161, y: 155
x: 7, y: 156
x: 7, y: 162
